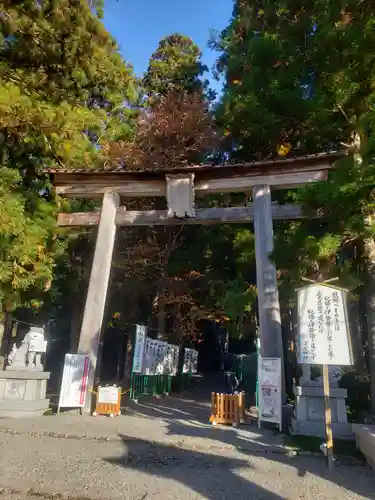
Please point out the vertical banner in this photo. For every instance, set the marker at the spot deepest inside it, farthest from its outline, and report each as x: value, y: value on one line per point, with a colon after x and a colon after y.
x: 190, y: 361
x: 139, y: 348
x: 173, y: 352
x: 269, y: 391
x: 74, y: 381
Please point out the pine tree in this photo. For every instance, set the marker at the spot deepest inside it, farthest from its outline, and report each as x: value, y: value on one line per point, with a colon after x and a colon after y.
x: 176, y: 65
x: 174, y: 129
x: 302, y: 76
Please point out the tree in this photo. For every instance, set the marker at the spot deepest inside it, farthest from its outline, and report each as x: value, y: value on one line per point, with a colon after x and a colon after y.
x: 174, y: 129
x: 177, y: 131
x: 175, y: 65
x: 64, y: 92
x: 282, y: 88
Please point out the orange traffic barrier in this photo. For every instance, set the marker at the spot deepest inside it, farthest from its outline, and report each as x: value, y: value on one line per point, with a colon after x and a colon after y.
x: 227, y: 408
x: 108, y: 401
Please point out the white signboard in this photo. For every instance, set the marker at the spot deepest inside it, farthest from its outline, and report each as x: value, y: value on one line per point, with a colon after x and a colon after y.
x: 108, y: 395
x: 171, y: 365
x: 160, y: 358
x: 190, y: 361
x: 74, y: 381
x: 139, y: 347
x: 323, y: 326
x: 269, y: 390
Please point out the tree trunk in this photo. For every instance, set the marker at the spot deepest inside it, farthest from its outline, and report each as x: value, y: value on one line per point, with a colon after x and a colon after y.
x: 161, y: 322
x: 370, y: 312
x: 75, y: 325
x: 158, y: 301
x: 5, y: 337
x: 357, y: 337
x: 128, y: 365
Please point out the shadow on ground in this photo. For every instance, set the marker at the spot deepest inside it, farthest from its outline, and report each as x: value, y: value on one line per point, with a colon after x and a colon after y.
x: 213, y: 477
x: 186, y: 416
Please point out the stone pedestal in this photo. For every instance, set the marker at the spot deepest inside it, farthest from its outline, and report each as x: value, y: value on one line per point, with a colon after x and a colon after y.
x: 308, y: 419
x: 23, y: 393
x: 365, y: 437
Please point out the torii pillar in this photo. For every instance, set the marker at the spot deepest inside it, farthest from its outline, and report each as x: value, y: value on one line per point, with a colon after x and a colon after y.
x: 271, y: 344
x: 89, y: 339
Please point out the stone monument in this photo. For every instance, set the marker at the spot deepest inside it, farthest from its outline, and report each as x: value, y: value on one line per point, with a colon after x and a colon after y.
x: 23, y: 383
x: 308, y: 419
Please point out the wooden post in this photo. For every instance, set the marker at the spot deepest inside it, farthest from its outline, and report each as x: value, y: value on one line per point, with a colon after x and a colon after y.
x: 271, y: 344
x: 89, y: 339
x: 327, y: 417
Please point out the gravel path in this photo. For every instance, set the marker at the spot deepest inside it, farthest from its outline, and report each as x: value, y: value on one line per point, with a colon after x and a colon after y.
x: 46, y: 468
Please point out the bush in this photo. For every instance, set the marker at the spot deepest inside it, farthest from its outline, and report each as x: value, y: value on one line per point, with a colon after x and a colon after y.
x: 357, y: 383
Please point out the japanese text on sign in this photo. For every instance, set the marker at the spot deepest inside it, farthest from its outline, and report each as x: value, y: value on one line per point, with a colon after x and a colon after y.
x: 140, y: 340
x: 269, y: 390
x: 323, y: 327
x: 74, y: 381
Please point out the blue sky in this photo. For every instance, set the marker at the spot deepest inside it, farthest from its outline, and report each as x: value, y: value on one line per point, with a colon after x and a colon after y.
x: 138, y: 25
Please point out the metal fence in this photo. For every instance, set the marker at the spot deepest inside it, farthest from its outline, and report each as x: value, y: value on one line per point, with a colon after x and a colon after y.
x: 158, y: 385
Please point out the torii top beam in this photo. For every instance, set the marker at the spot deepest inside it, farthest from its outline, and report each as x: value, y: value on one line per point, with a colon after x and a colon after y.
x: 224, y: 178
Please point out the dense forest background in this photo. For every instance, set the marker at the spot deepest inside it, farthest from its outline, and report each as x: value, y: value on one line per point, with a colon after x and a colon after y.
x: 297, y: 80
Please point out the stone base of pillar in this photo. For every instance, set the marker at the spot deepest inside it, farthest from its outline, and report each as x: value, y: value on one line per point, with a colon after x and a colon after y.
x: 23, y: 393
x: 365, y: 437
x: 308, y: 417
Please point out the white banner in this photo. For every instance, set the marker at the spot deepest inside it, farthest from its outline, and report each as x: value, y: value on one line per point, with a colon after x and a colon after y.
x: 269, y: 390
x: 171, y: 364
x: 74, y: 381
x: 323, y: 326
x: 190, y: 361
x: 139, y: 348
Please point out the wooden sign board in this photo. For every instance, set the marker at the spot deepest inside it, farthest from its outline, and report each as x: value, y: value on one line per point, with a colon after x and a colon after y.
x: 323, y: 333
x: 324, y: 338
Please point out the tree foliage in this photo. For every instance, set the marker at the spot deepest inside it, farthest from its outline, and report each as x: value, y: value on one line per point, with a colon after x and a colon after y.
x: 176, y: 65
x: 299, y: 79
x: 281, y: 88
x: 63, y: 90
x: 177, y: 131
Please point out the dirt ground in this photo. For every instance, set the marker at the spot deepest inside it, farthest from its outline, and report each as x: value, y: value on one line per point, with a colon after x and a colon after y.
x: 163, y: 449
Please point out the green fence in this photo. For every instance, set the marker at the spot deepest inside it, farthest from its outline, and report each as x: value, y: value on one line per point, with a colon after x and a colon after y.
x: 181, y: 382
x: 149, y: 385
x: 157, y: 385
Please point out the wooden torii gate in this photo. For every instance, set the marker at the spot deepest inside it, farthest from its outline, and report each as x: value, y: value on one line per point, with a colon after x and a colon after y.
x: 180, y: 188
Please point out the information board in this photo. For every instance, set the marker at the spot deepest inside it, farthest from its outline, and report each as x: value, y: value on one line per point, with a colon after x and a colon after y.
x: 269, y: 391
x: 323, y: 332
x: 74, y: 381
x: 108, y: 395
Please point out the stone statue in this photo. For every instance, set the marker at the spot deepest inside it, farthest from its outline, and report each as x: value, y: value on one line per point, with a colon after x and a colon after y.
x: 28, y: 356
x: 335, y: 374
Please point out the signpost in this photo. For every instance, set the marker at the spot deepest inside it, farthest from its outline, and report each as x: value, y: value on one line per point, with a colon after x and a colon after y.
x: 74, y: 382
x: 269, y: 391
x: 324, y: 337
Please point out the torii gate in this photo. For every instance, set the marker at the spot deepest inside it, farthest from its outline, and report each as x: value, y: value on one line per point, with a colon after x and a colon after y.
x: 180, y: 187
